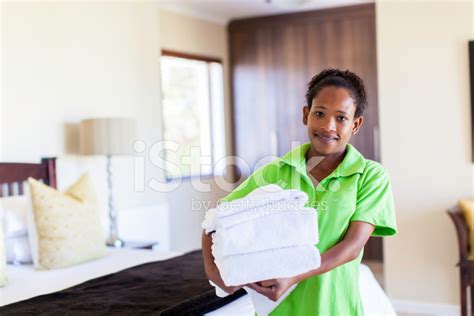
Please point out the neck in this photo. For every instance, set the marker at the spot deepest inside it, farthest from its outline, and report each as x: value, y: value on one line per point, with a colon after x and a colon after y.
x: 329, y: 162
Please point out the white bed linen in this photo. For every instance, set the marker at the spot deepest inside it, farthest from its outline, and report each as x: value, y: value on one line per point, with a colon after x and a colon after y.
x: 374, y: 299
x: 24, y: 282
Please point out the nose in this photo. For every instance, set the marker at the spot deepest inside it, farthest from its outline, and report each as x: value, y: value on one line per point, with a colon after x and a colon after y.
x: 329, y: 124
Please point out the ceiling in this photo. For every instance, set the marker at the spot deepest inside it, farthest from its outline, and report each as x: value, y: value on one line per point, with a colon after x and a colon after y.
x: 222, y: 11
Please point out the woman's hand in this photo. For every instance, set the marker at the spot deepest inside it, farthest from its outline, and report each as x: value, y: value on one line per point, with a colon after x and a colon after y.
x: 274, y: 288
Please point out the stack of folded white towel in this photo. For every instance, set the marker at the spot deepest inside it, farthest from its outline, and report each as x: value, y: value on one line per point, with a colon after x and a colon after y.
x: 268, y: 234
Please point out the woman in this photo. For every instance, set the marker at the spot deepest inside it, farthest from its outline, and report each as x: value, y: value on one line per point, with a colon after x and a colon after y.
x: 352, y: 195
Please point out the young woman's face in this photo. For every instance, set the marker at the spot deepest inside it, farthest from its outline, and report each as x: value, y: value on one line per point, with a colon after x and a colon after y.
x: 331, y: 121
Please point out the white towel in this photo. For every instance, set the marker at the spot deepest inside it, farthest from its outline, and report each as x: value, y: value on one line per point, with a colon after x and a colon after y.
x: 262, y: 304
x: 209, y: 222
x: 267, y: 194
x: 260, y: 202
x: 269, y: 264
x: 219, y: 292
x: 266, y: 235
x: 212, y: 221
x: 278, y: 230
x: 265, y: 210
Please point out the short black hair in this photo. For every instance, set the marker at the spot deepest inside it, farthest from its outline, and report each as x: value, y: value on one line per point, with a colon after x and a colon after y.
x: 340, y: 79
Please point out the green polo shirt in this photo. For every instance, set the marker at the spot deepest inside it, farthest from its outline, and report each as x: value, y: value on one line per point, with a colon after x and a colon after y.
x: 357, y: 190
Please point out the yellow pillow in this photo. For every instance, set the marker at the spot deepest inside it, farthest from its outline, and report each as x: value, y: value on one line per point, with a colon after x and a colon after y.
x: 3, y: 259
x: 467, y: 208
x: 68, y: 229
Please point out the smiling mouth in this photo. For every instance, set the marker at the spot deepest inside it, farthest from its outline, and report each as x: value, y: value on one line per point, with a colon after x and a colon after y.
x: 325, y: 138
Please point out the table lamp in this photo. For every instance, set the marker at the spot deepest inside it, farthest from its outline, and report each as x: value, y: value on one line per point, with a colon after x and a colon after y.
x: 109, y: 137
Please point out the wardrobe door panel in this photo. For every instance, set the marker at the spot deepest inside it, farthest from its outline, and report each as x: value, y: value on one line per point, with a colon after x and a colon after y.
x: 364, y: 56
x: 253, y: 98
x: 290, y: 59
x: 272, y: 60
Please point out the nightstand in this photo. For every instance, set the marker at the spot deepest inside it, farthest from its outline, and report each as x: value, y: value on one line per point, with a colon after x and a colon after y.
x: 146, y: 223
x: 140, y: 244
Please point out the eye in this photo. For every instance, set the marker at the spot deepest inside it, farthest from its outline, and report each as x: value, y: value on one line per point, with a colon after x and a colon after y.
x: 342, y: 118
x: 318, y: 113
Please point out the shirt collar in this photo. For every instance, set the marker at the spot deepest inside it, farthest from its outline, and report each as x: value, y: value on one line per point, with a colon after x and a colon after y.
x: 352, y: 163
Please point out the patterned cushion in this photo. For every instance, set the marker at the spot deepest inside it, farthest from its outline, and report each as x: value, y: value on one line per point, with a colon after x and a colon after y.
x: 67, y: 225
x: 467, y: 208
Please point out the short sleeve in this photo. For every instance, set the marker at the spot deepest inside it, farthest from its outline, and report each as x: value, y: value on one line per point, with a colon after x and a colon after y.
x: 266, y: 174
x: 375, y: 200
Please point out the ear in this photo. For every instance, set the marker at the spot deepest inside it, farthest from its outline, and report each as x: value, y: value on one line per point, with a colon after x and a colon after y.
x: 305, y: 114
x: 357, y: 124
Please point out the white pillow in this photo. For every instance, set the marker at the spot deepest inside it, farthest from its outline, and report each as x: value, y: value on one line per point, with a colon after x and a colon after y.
x: 15, y: 210
x: 17, y: 250
x: 3, y: 261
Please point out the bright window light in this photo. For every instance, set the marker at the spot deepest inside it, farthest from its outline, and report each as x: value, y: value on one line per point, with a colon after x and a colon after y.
x: 193, y: 115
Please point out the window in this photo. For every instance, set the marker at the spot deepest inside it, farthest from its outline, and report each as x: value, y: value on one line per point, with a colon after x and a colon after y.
x: 193, y: 114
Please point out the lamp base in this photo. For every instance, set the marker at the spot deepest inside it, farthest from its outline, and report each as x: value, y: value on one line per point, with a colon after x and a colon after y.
x: 114, y: 242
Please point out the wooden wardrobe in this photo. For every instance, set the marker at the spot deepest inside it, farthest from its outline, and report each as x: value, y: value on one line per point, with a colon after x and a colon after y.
x: 272, y: 60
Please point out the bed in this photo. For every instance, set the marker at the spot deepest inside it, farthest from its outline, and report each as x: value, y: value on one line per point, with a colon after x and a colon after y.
x: 125, y: 281
x: 140, y: 282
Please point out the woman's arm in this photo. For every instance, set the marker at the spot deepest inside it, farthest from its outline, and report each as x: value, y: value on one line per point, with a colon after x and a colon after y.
x: 210, y: 267
x: 346, y: 250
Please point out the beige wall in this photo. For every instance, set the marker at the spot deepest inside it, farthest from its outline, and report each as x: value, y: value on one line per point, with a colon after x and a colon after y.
x: 191, y: 35
x: 63, y: 62
x: 425, y: 137
x: 1, y: 81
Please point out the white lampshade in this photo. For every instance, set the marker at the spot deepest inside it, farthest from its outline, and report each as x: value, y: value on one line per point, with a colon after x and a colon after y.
x: 107, y: 136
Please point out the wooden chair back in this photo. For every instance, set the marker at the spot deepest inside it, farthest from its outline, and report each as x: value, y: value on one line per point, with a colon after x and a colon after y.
x: 462, y: 232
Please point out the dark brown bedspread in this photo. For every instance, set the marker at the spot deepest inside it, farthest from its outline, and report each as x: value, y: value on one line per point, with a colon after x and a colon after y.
x: 176, y: 286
